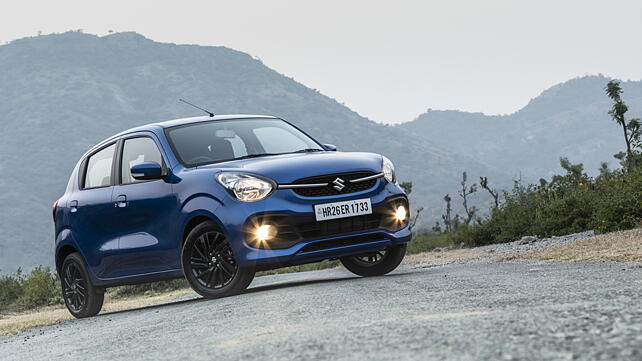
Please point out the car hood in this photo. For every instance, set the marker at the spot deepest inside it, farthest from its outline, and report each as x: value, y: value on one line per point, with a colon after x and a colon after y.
x: 286, y: 168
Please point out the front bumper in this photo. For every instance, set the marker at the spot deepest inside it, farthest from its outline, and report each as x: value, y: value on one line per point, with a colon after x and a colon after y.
x: 305, y: 244
x: 320, y: 249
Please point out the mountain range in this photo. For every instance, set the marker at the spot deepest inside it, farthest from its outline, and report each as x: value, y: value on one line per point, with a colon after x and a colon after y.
x: 62, y: 93
x: 569, y: 119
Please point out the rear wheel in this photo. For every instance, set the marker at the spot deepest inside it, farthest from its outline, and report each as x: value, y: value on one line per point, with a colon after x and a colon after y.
x: 81, y: 297
x: 209, y: 264
x: 375, y: 263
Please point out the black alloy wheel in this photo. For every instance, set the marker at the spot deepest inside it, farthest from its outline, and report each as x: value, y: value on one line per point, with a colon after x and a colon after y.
x: 212, y: 261
x: 81, y: 297
x: 209, y: 264
x: 375, y: 263
x: 75, y: 288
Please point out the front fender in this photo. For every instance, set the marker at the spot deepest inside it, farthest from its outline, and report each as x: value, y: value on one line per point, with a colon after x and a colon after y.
x: 200, y: 205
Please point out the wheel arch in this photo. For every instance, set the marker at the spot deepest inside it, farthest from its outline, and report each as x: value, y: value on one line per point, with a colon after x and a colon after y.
x: 197, y: 210
x: 197, y: 218
x: 62, y: 253
x: 192, y: 223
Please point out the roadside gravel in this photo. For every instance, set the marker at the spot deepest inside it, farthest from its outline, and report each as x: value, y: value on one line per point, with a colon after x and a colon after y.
x: 494, y: 252
x: 468, y: 307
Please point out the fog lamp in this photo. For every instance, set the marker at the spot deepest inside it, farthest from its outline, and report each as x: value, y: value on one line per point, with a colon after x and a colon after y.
x: 401, y: 213
x: 265, y: 232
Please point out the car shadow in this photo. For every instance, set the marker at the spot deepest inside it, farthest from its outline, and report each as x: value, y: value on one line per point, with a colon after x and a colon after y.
x: 257, y: 289
x: 289, y: 284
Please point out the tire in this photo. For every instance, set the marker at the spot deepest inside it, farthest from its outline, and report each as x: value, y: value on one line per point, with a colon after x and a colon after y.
x: 82, y: 298
x: 209, y: 265
x: 376, y: 263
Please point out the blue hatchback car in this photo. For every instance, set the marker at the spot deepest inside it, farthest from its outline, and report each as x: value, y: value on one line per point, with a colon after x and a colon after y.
x: 215, y: 199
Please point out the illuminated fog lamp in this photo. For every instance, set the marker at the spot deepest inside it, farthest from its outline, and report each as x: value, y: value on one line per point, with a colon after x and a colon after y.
x: 265, y: 232
x: 401, y: 213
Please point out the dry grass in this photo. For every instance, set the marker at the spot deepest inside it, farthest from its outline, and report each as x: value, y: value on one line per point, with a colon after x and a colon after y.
x: 13, y: 323
x: 625, y: 246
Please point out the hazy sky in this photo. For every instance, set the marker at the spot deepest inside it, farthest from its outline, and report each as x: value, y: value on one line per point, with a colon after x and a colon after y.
x: 387, y: 60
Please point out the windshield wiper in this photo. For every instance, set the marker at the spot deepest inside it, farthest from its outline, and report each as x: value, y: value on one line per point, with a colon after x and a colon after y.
x: 256, y: 155
x: 308, y: 150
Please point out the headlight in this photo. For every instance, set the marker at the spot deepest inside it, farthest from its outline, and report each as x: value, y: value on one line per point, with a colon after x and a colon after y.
x: 388, y: 170
x: 246, y: 187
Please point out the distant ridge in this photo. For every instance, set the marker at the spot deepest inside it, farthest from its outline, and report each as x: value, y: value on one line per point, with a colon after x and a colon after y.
x: 569, y: 119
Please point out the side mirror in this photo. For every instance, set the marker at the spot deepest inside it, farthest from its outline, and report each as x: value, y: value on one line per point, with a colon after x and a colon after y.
x: 147, y: 171
x: 330, y: 147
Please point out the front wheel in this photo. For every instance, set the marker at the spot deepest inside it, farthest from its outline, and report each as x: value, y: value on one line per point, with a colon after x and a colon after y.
x: 209, y: 264
x: 82, y: 298
x: 375, y: 263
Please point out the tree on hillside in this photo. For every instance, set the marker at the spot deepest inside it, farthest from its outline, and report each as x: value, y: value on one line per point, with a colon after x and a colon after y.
x: 575, y: 176
x: 483, y: 182
x: 576, y: 171
x: 447, y: 218
x: 604, y: 169
x: 413, y: 220
x: 464, y: 193
x: 630, y: 128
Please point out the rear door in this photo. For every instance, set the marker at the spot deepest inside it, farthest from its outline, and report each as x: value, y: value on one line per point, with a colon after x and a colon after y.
x: 147, y: 211
x: 92, y: 214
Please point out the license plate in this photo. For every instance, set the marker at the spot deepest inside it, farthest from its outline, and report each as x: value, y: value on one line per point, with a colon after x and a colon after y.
x: 343, y: 209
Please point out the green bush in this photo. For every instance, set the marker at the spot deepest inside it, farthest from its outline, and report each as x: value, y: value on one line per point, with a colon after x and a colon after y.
x: 10, y: 289
x: 40, y: 288
x: 619, y: 202
x: 570, y: 203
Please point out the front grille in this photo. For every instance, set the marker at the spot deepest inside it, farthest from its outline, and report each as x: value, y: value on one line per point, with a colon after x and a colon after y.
x: 294, y: 229
x: 329, y: 190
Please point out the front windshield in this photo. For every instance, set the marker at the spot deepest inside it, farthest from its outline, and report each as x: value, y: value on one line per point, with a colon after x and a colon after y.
x: 221, y: 140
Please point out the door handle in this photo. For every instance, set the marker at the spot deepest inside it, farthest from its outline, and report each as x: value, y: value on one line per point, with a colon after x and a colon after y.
x: 73, y: 206
x: 121, y: 201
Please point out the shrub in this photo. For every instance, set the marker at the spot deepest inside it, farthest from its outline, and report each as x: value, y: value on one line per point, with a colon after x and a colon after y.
x: 10, y: 289
x: 570, y: 203
x: 618, y: 205
x: 40, y: 288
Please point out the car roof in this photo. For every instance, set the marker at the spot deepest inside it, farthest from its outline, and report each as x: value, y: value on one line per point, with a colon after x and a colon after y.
x: 183, y: 121
x: 178, y: 122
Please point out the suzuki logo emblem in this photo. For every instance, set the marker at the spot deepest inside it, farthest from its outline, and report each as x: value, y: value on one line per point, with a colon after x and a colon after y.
x: 339, y: 184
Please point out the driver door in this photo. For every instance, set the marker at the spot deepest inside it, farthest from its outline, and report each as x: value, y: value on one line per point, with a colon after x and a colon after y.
x: 147, y: 210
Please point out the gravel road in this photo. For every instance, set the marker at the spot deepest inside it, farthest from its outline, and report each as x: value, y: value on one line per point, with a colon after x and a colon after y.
x: 463, y: 311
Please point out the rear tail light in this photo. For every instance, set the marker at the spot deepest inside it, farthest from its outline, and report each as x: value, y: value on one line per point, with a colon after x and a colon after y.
x: 54, y: 207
